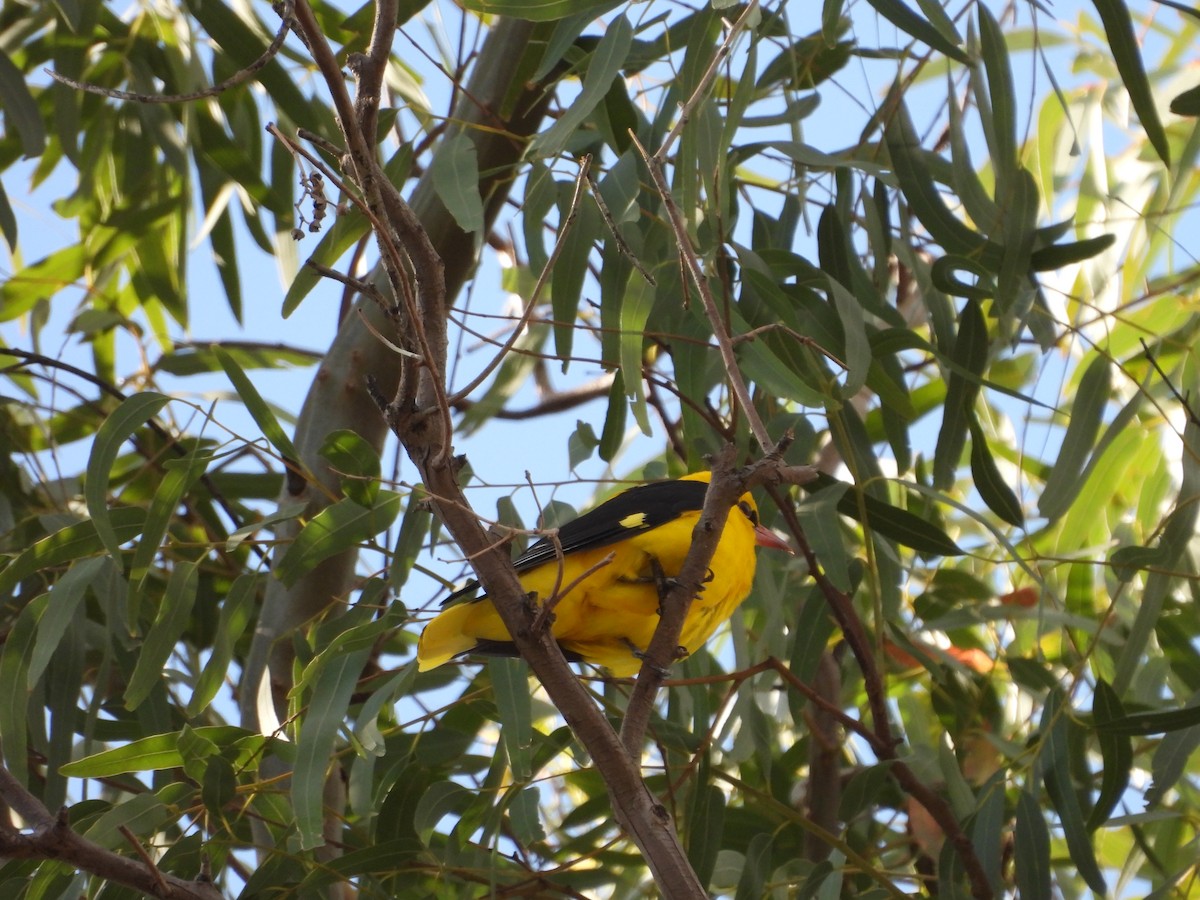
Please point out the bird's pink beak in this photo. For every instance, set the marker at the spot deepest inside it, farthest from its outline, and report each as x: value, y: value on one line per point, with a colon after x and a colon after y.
x: 765, y: 537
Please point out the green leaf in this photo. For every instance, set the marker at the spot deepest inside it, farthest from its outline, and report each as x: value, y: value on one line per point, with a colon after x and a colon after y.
x: 232, y: 158
x: 705, y: 828
x: 924, y: 199
x: 32, y: 284
x: 540, y: 10
x: 141, y: 812
x: 219, y: 786
x: 15, y: 655
x: 258, y: 408
x: 603, y: 66
x: 69, y: 543
x: 237, y: 611
x: 1056, y: 770
x: 994, y: 51
x: 1140, y: 724
x: 169, y: 624
x: 1118, y: 28
x: 1116, y: 752
x: 815, y: 513
x: 514, y: 702
x: 581, y: 444
x: 897, y: 524
x: 1170, y: 760
x: 126, y: 419
x: 988, y: 827
x: 757, y: 865
x: 1032, y: 844
x: 1185, y: 104
x: 69, y: 591
x: 635, y: 311
x: 162, y: 751
x: 347, y: 230
x: 339, y: 527
x: 357, y: 464
x: 183, y: 360
x: 1175, y: 539
x: 909, y: 22
x: 992, y: 486
x: 414, y: 529
x: 180, y: 475
x: 1056, y: 256
x: 970, y: 355
x: 455, y: 172
x: 944, y: 273
x: 1087, y: 414
x: 857, y: 349
x: 440, y: 798
x: 8, y: 221
x: 326, y: 713
x: 612, y: 436
x: 21, y: 112
x: 570, y: 270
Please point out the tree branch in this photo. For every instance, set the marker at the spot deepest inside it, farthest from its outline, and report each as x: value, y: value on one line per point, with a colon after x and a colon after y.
x: 51, y: 837
x: 727, y: 486
x: 884, y: 741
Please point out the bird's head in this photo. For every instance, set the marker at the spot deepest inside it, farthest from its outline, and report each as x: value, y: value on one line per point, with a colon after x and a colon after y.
x: 763, y: 536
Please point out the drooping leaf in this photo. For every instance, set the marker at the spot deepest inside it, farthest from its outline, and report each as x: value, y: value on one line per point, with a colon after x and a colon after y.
x: 120, y: 425
x: 1118, y: 28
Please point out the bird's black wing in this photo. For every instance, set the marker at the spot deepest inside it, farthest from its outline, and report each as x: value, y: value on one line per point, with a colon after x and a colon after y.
x: 631, y: 512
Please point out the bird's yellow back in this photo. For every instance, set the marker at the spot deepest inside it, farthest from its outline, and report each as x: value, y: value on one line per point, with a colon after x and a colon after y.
x: 606, y: 613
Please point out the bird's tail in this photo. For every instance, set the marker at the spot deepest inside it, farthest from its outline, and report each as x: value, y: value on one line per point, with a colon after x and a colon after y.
x: 450, y: 633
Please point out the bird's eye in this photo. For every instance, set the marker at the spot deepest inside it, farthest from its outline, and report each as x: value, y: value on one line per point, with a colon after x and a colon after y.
x: 750, y: 512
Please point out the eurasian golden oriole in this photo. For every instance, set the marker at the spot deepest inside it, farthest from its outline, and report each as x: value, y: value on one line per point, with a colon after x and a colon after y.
x: 606, y: 610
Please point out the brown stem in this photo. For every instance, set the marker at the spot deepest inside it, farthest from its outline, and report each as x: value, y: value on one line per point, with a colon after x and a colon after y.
x: 51, y: 837
x: 885, y: 742
x: 727, y: 486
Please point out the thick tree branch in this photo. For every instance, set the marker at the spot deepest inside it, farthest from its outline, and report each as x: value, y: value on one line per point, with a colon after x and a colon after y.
x: 727, y: 486
x: 638, y: 811
x: 44, y: 836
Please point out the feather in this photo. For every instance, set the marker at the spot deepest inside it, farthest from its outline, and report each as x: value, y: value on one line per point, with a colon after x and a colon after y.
x: 609, y: 579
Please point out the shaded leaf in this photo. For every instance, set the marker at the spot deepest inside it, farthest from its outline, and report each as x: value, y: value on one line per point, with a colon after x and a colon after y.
x: 1116, y: 753
x: 121, y: 424
x: 339, y: 527
x: 1087, y: 411
x: 455, y: 174
x: 169, y: 623
x: 1032, y: 851
x: 1118, y: 28
x: 903, y: 17
x: 21, y: 113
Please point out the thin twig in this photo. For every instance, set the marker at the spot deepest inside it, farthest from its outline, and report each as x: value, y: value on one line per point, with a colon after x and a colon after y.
x: 687, y: 255
x: 391, y: 345
x: 356, y: 284
x: 404, y: 244
x: 233, y: 80
x: 615, y: 231
x: 131, y: 839
x: 585, y: 163
x: 546, y: 612
x: 706, y: 80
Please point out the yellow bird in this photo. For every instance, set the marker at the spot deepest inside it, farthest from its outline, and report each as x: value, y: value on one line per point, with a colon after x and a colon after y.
x: 606, y: 612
